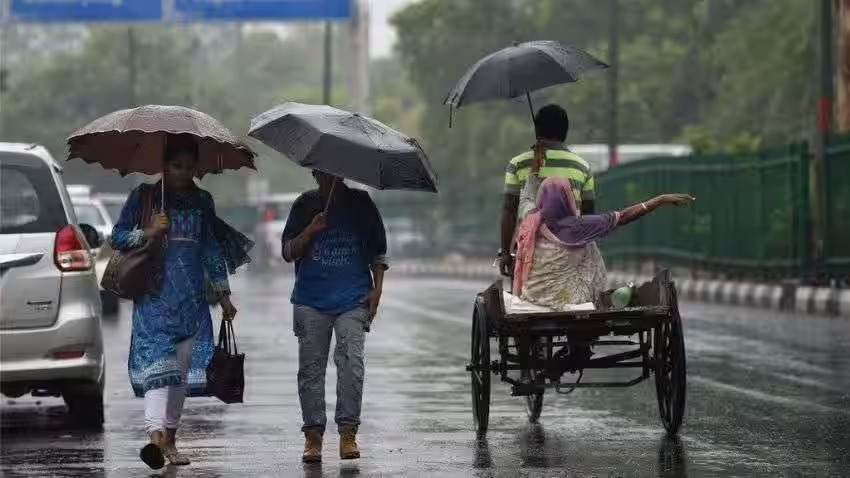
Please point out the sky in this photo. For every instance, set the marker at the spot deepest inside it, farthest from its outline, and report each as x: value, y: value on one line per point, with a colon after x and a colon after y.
x: 381, y: 34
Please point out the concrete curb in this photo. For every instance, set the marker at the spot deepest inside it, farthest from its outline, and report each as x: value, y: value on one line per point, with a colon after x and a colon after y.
x: 809, y: 300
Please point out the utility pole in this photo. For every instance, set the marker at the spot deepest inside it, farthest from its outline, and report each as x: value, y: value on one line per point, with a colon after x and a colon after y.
x: 824, y: 128
x: 239, y: 51
x: 131, y: 66
x: 359, y: 64
x: 5, y: 26
x: 328, y: 64
x: 4, y: 74
x: 843, y: 67
x: 613, y: 93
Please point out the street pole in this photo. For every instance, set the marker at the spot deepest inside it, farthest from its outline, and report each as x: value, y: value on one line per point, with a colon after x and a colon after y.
x: 4, y: 75
x: 327, y: 70
x: 824, y: 128
x: 131, y: 65
x: 613, y: 54
x: 359, y: 35
x: 5, y: 26
x: 842, y: 67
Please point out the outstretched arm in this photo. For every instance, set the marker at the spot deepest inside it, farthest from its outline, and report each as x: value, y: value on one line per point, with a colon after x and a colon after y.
x: 632, y: 213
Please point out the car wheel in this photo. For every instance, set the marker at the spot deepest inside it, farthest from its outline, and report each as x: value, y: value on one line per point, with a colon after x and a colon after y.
x: 111, y: 303
x: 85, y: 404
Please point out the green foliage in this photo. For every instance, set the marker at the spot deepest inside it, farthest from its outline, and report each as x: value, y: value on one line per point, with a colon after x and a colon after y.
x: 725, y: 75
x: 207, y: 67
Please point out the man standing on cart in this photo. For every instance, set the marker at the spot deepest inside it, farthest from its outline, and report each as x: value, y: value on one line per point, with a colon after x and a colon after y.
x: 551, y: 126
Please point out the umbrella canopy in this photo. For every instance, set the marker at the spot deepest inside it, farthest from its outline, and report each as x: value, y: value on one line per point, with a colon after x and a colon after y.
x: 345, y: 144
x: 133, y: 140
x: 520, y: 69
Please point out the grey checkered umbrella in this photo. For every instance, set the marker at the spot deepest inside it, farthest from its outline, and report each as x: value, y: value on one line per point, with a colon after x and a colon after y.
x: 521, y: 69
x: 133, y: 140
x: 345, y: 144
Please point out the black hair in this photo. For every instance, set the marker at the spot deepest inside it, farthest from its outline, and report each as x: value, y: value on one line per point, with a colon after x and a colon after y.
x: 180, y: 144
x: 552, y: 123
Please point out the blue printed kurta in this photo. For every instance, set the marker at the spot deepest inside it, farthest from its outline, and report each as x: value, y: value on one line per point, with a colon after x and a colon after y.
x: 179, y: 310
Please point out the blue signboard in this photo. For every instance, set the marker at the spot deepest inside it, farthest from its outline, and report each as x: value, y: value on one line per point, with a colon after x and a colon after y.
x: 84, y: 10
x: 188, y: 10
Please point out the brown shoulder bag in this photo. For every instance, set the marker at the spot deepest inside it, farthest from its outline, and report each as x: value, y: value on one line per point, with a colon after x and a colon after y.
x: 132, y: 274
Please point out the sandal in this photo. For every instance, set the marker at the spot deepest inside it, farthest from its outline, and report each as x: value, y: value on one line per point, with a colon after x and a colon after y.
x: 151, y: 454
x: 175, y: 457
x: 169, y: 449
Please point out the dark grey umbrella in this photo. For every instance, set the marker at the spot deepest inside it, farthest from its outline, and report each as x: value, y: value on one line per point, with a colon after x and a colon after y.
x: 345, y: 144
x: 520, y: 69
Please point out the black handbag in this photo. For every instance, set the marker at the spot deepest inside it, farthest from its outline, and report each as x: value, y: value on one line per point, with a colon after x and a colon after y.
x: 226, y: 370
x: 134, y: 273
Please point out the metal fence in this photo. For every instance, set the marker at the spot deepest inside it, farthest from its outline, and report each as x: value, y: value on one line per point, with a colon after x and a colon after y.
x: 837, y: 192
x: 753, y: 215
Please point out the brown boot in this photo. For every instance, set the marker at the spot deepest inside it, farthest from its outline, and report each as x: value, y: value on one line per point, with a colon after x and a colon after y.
x: 312, y: 446
x: 348, y: 449
x: 169, y: 449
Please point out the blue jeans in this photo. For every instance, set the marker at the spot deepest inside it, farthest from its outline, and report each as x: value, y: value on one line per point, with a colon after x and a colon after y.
x: 314, y: 329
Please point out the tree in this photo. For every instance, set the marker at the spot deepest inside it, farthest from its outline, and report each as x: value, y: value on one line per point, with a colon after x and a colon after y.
x: 729, y: 74
x: 229, y: 74
x: 765, y: 63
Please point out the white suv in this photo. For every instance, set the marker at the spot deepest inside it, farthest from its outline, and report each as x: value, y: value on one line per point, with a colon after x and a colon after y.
x: 50, y: 309
x: 91, y: 211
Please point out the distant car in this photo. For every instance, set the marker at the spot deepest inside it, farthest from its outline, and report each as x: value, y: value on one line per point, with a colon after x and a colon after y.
x: 50, y: 310
x: 113, y: 203
x: 274, y: 210
x: 91, y: 210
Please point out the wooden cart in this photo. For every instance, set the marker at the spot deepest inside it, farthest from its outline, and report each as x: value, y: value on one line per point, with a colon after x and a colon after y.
x: 536, y: 350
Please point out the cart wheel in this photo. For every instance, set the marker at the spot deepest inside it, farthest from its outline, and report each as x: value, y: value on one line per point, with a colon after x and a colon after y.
x: 533, y: 402
x: 481, y: 376
x: 670, y: 368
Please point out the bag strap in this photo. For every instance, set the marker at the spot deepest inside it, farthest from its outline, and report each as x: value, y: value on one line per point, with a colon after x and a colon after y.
x: 223, y: 339
x: 226, y: 337
x: 232, y: 336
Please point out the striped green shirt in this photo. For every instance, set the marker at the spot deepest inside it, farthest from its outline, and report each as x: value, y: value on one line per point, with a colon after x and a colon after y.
x: 559, y: 163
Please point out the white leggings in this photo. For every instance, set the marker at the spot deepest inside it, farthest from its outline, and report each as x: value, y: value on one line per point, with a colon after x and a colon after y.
x: 164, y: 406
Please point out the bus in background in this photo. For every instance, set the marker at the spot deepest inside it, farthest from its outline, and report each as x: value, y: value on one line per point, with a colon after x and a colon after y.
x: 597, y: 154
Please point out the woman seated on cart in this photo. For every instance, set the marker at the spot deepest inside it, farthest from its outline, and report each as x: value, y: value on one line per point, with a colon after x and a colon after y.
x: 558, y: 264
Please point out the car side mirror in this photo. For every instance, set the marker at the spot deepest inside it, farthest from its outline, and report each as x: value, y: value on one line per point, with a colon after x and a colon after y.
x: 93, y: 237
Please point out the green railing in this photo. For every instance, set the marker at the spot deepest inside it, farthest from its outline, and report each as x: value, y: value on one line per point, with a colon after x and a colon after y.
x: 751, y: 216
x: 837, y: 195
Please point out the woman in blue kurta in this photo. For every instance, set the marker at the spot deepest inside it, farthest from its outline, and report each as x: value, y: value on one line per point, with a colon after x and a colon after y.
x: 172, y: 337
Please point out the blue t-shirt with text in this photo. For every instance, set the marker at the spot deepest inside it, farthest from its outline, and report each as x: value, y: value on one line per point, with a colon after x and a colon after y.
x: 334, y: 275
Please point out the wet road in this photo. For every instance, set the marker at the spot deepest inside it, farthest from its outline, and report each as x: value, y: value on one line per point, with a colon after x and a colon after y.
x: 768, y: 394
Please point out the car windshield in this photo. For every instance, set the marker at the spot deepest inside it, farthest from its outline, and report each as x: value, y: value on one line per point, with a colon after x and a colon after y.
x: 88, y: 214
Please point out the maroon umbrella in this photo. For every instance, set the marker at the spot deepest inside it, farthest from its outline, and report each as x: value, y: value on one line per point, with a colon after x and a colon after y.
x: 133, y: 140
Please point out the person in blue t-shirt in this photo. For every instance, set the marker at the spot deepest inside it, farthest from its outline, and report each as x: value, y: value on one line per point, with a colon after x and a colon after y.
x: 336, y: 238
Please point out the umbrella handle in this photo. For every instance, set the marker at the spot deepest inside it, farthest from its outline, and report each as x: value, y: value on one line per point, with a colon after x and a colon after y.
x: 162, y: 206
x: 530, y: 105
x: 331, y: 195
